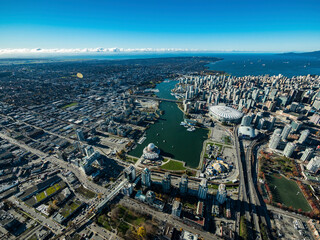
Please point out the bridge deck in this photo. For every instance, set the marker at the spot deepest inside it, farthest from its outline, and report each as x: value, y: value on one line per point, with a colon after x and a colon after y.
x: 155, y: 98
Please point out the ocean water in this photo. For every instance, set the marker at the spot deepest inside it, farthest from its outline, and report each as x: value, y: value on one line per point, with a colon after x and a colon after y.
x: 237, y: 64
x: 272, y: 64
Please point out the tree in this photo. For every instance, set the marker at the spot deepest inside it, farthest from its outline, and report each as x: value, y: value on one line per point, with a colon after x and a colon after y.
x: 141, y: 232
x: 54, y: 202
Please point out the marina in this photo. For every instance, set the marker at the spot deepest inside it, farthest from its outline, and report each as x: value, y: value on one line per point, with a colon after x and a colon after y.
x: 176, y: 137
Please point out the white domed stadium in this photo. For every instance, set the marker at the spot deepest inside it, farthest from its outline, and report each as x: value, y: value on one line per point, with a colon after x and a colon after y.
x: 225, y: 114
x: 151, y: 152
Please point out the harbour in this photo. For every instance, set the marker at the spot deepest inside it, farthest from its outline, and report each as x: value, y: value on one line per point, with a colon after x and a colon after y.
x: 175, y: 140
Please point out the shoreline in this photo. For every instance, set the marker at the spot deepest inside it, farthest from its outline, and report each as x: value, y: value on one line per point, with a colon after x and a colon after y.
x: 194, y: 164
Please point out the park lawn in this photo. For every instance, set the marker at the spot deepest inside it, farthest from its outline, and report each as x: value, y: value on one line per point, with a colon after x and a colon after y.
x: 232, y: 187
x: 70, y: 105
x: 70, y: 208
x: 123, y: 227
x: 40, y: 196
x: 287, y: 192
x: 189, y: 205
x: 104, y: 221
x: 50, y: 190
x: 53, y: 189
x: 227, y: 140
x: 173, y: 165
x: 132, y: 219
x: 122, y: 211
x: 129, y: 217
x: 213, y: 186
x: 85, y: 192
x: 131, y: 159
x: 165, y: 160
x: 139, y: 221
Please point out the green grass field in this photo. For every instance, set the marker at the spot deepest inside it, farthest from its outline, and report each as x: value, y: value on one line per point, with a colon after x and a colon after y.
x: 103, y: 220
x: 50, y: 190
x: 68, y: 209
x: 70, y: 105
x: 213, y: 186
x: 40, y: 196
x: 131, y: 159
x: 133, y: 219
x: 287, y: 192
x: 173, y: 165
x: 123, y: 227
x: 53, y: 189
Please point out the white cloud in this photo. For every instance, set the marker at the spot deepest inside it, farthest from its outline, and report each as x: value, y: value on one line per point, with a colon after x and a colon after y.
x: 17, y: 51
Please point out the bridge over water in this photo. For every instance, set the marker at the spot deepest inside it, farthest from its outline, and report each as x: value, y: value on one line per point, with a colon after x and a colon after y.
x: 155, y: 98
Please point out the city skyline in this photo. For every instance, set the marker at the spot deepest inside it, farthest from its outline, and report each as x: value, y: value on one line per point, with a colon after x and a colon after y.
x: 273, y: 26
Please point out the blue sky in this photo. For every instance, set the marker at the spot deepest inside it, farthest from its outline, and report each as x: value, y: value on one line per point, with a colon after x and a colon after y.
x: 260, y: 25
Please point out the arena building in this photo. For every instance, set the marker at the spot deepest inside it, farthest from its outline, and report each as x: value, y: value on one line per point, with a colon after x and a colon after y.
x: 225, y: 114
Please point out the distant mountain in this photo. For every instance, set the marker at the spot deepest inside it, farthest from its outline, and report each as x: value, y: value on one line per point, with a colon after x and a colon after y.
x: 305, y: 54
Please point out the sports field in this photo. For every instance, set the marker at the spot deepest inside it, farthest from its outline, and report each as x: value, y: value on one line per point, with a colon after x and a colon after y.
x: 287, y: 192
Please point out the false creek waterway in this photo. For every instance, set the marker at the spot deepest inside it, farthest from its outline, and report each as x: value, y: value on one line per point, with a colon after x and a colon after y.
x: 167, y: 134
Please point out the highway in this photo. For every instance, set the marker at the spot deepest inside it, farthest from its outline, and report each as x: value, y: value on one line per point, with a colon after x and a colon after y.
x: 254, y: 200
x: 247, y: 191
x: 243, y: 198
x: 113, y: 193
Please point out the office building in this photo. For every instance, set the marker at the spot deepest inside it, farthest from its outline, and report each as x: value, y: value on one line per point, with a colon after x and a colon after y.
x: 176, y: 208
x: 258, y: 117
x: 130, y: 173
x: 221, y: 194
x: 146, y: 178
x: 307, y: 154
x: 272, y: 121
x: 203, y: 189
x: 304, y: 135
x: 296, y: 125
x: 91, y: 156
x: 288, y: 150
x: 80, y: 135
x: 261, y: 124
x: 150, y: 197
x: 314, y: 164
x: 285, y: 132
x: 183, y: 185
x: 274, y: 140
x: 315, y: 118
x: 127, y: 189
x: 294, y: 106
x: 246, y: 120
x: 166, y: 183
x: 89, y: 151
